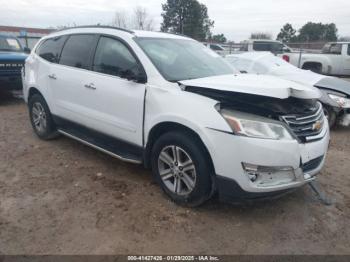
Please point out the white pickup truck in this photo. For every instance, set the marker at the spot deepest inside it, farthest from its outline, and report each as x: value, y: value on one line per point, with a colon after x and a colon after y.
x: 334, y: 59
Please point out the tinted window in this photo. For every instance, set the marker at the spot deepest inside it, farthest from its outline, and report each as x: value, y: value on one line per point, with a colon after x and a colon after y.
x: 9, y: 44
x: 113, y: 58
x: 348, y: 49
x: 331, y: 48
x: 51, y: 49
x: 77, y: 51
x: 267, y: 46
x: 335, y: 49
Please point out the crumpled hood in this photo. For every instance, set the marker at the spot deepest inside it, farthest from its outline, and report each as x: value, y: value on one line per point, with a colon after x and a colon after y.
x: 262, y: 85
x: 12, y: 56
x: 335, y: 84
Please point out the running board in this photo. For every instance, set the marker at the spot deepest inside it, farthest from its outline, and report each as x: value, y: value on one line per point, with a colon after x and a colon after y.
x: 126, y: 159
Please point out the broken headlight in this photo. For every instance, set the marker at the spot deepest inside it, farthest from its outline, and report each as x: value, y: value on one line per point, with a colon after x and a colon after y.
x: 343, y: 102
x: 255, y: 126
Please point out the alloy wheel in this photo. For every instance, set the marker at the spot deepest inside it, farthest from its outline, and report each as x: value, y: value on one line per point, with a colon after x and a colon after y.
x: 177, y: 170
x: 39, y: 117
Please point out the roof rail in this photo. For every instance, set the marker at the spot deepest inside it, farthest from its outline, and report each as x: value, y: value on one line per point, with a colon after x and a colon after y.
x: 97, y: 26
x: 174, y: 34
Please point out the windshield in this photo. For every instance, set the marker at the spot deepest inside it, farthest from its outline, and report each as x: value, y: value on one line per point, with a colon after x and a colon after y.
x: 9, y: 44
x: 182, y: 59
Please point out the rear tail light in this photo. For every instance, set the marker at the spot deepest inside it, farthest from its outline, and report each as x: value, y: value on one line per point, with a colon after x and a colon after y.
x: 285, y: 58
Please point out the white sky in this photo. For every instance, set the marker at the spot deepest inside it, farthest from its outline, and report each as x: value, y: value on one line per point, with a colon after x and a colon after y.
x: 236, y: 19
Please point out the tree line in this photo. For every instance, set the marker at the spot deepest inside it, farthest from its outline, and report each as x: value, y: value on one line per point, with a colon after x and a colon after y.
x: 190, y: 18
x: 310, y: 32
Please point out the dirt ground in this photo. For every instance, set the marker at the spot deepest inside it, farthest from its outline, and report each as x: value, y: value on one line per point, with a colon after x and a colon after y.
x: 61, y: 197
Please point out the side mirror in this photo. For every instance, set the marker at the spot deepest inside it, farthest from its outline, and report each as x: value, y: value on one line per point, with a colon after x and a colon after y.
x: 141, y: 78
x: 131, y: 76
x: 26, y: 50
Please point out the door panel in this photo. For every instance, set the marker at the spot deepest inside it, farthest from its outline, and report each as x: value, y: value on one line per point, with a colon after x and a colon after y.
x: 101, y: 99
x: 115, y: 107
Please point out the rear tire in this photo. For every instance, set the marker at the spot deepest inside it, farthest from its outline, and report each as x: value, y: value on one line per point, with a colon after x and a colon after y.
x: 41, y: 118
x: 182, y: 168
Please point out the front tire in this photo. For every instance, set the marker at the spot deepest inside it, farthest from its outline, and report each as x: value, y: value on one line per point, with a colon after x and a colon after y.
x: 182, y: 168
x: 41, y: 118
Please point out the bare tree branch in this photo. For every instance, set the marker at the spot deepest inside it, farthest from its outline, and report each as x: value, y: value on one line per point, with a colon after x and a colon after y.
x: 142, y: 19
x: 120, y: 19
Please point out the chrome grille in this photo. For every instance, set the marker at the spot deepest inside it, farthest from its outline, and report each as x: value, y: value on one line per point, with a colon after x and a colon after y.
x: 11, y: 65
x: 307, y: 127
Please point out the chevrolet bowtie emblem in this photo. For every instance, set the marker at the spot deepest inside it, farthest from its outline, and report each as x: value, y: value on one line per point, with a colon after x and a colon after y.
x: 317, y: 126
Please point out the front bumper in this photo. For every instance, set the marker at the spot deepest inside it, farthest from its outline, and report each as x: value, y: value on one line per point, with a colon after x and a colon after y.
x: 11, y: 81
x: 295, y: 164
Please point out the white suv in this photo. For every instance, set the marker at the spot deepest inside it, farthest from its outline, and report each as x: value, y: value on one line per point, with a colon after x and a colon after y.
x: 172, y: 104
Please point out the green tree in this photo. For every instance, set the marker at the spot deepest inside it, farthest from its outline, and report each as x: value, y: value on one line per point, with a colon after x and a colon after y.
x: 188, y: 17
x: 287, y: 33
x: 219, y: 38
x: 318, y: 32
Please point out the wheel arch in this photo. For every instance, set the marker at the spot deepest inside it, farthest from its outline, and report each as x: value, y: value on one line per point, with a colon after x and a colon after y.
x: 308, y: 64
x: 165, y: 127
x: 32, y: 91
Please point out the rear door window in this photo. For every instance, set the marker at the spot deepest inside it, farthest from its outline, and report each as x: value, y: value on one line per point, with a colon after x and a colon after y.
x: 78, y: 50
x: 112, y: 57
x: 349, y: 49
x: 50, y: 49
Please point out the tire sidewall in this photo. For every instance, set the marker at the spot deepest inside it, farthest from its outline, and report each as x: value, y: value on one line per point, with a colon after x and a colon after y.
x: 50, y: 127
x: 193, y: 148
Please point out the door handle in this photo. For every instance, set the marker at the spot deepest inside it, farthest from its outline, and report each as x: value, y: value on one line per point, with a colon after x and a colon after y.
x: 53, y: 76
x: 90, y: 86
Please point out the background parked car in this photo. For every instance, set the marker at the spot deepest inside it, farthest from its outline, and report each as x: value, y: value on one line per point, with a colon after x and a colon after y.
x: 272, y: 46
x: 336, y: 92
x: 333, y: 59
x: 12, y: 57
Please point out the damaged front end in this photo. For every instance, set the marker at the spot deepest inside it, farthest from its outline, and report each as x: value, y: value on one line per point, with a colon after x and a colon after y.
x: 303, y: 118
x: 336, y: 98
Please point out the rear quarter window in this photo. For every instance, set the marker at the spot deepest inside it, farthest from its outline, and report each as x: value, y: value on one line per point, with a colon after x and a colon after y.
x: 50, y: 49
x: 78, y: 50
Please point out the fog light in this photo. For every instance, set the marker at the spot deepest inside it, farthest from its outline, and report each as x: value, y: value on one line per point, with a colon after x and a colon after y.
x: 251, y: 170
x: 269, y: 175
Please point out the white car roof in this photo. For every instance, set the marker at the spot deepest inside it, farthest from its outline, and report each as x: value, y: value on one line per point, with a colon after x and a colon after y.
x: 116, y: 31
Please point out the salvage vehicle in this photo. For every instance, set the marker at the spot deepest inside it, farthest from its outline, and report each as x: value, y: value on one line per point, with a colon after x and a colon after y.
x: 335, y: 92
x: 273, y: 46
x: 170, y: 103
x: 333, y: 60
x: 12, y: 56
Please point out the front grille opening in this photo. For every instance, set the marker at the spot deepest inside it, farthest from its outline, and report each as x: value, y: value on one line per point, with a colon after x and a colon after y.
x: 312, y: 164
x: 308, y: 126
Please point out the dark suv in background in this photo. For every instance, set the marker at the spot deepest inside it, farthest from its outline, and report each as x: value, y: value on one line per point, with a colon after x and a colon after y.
x: 12, y: 57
